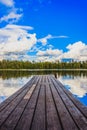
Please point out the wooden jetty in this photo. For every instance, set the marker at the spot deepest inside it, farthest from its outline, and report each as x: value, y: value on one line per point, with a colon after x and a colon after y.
x: 43, y: 104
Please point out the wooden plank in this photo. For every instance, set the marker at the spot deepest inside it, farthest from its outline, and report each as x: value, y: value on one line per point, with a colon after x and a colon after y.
x: 12, y: 120
x: 53, y: 122
x: 77, y: 116
x: 12, y: 97
x: 78, y: 104
x: 10, y: 108
x: 38, y: 122
x: 43, y: 104
x: 26, y: 119
x: 65, y: 118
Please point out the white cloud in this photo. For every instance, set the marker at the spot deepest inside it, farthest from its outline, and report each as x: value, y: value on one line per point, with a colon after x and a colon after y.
x: 19, y: 56
x: 15, y: 40
x: 50, y: 52
x: 8, y: 3
x: 14, y: 26
x: 43, y: 58
x: 48, y: 58
x: 12, y: 17
x: 13, y: 14
x: 77, y: 45
x: 49, y: 55
x: 45, y: 39
x: 62, y: 36
x: 77, y: 51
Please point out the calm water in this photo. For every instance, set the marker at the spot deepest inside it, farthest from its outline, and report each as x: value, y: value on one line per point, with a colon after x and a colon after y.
x: 77, y: 85
x: 75, y: 82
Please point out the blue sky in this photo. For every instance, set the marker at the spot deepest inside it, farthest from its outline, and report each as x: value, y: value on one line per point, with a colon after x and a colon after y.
x: 43, y: 30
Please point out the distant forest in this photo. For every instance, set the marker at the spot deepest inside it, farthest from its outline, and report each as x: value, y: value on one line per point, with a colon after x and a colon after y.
x: 6, y: 64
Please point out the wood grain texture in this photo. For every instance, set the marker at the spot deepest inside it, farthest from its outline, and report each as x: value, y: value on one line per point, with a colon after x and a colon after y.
x: 53, y: 122
x: 26, y: 118
x: 43, y: 104
x: 77, y: 116
x: 38, y: 122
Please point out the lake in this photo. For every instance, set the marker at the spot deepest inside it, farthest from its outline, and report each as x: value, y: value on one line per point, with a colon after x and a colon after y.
x: 74, y: 81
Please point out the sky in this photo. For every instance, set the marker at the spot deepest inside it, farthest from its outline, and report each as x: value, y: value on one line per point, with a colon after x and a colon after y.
x: 43, y: 30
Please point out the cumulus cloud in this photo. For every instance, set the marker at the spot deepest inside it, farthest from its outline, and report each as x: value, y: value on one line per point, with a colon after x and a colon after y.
x: 17, y: 43
x: 16, y: 40
x: 12, y: 17
x: 8, y: 3
x: 13, y: 14
x: 49, y: 55
x: 77, y: 51
x: 50, y: 52
x: 45, y: 39
x: 48, y: 58
x: 43, y: 58
x: 19, y: 56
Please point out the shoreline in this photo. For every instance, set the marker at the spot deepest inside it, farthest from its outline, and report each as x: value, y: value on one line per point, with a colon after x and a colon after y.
x: 43, y: 69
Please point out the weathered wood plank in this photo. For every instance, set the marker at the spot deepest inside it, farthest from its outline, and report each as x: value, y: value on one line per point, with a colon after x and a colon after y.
x: 26, y: 118
x: 53, y: 122
x: 77, y: 116
x: 65, y: 118
x: 38, y: 122
x: 12, y: 120
x: 43, y: 104
x: 78, y: 104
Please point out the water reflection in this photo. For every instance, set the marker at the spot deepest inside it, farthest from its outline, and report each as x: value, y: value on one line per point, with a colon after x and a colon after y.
x: 74, y: 81
x: 10, y: 86
x: 17, y: 74
x: 77, y: 85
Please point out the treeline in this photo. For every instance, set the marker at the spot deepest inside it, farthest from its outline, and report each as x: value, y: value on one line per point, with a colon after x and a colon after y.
x: 5, y: 64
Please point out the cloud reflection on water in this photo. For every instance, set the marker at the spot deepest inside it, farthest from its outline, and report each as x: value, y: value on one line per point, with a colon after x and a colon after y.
x: 10, y: 86
x: 76, y: 85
